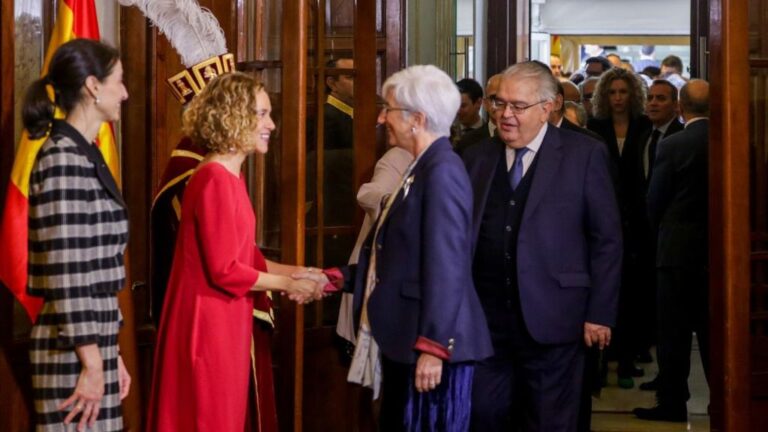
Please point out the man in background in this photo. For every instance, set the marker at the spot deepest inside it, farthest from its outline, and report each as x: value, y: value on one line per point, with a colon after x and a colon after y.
x: 678, y: 210
x: 469, y: 128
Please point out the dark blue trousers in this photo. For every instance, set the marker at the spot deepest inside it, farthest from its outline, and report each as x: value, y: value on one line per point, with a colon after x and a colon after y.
x: 526, y: 386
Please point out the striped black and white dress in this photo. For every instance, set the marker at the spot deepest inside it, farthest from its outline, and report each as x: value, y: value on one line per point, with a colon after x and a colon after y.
x: 78, y: 230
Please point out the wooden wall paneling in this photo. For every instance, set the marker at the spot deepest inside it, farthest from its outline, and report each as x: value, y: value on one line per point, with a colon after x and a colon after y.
x: 502, y: 31
x: 758, y: 59
x: 394, y: 30
x: 137, y: 335
x: 729, y: 216
x: 289, y: 389
x: 15, y: 398
x: 366, y: 113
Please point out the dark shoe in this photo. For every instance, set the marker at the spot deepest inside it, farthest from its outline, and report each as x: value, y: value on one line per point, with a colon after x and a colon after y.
x: 651, y: 385
x: 644, y: 357
x: 672, y: 413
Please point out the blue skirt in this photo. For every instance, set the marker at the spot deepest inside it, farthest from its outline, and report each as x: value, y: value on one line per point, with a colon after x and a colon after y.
x: 447, y: 408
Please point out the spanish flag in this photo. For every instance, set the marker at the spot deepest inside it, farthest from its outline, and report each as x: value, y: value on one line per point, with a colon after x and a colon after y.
x: 75, y: 19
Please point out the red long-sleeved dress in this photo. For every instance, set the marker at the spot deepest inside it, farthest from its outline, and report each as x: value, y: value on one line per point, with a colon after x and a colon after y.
x: 202, y: 358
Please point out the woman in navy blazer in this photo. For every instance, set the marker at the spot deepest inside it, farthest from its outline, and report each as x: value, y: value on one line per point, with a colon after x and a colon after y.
x: 420, y: 323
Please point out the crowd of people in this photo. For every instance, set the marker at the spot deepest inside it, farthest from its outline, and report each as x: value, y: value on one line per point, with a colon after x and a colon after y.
x: 499, y: 256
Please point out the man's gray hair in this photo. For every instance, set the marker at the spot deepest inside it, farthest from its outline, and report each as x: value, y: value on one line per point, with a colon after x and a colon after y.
x: 547, y: 84
x: 428, y: 90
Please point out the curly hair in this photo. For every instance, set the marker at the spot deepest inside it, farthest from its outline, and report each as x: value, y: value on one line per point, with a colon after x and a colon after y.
x: 224, y: 115
x: 601, y: 103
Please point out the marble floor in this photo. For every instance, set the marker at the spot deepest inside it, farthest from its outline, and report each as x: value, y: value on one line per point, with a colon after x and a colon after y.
x: 612, y: 411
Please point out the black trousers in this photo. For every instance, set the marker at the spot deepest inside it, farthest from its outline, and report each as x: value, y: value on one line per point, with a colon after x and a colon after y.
x: 683, y: 308
x: 526, y: 386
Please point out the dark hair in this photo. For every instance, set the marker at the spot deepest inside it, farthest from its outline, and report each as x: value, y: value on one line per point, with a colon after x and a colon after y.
x: 651, y: 71
x: 71, y: 64
x: 673, y: 61
x: 576, y: 78
x: 602, y: 60
x: 333, y: 63
x: 471, y: 88
x: 672, y: 88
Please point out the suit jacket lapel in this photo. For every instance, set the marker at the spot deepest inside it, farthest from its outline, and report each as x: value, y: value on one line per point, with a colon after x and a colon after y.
x: 482, y: 177
x: 548, y: 164
x: 441, y: 144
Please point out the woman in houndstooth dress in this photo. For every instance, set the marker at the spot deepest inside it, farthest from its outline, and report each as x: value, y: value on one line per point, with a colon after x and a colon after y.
x: 78, y: 230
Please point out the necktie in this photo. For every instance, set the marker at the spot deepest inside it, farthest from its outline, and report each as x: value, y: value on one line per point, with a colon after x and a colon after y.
x: 516, y: 173
x: 652, y: 150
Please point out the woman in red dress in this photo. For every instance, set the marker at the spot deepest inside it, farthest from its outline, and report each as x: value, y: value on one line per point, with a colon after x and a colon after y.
x: 202, y: 361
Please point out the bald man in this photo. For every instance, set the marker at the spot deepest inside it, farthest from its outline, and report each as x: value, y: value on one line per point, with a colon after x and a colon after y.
x: 678, y: 211
x: 570, y: 92
x: 490, y: 92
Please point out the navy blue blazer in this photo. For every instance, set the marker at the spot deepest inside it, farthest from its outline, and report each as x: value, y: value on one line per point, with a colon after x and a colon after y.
x: 423, y: 266
x: 569, y: 248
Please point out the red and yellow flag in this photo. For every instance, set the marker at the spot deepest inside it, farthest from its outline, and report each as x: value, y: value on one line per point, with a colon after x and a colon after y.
x: 75, y: 19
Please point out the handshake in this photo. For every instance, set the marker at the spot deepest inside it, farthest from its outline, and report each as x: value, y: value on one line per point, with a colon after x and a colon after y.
x: 307, y: 285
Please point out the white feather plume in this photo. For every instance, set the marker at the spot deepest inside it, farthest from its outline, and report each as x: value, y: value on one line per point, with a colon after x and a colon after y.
x: 192, y: 30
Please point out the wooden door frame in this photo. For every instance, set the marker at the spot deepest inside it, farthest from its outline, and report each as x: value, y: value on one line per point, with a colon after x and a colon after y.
x: 729, y: 216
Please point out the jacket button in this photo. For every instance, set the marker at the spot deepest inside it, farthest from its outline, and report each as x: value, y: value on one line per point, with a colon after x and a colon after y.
x: 508, y: 228
x: 512, y: 202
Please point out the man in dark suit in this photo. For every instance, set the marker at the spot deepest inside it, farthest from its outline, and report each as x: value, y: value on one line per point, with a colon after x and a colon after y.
x: 640, y: 241
x: 547, y: 258
x: 677, y: 208
x: 469, y: 128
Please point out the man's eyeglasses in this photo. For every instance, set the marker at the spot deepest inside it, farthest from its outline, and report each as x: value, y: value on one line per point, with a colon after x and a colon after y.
x: 516, y: 107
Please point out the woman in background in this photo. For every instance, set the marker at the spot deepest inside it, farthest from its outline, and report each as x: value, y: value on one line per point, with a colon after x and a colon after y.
x: 618, y: 105
x: 78, y: 230
x: 202, y: 362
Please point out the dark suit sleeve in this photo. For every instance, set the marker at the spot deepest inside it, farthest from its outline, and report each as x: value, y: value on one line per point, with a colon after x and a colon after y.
x: 660, y: 186
x: 445, y: 265
x: 605, y: 242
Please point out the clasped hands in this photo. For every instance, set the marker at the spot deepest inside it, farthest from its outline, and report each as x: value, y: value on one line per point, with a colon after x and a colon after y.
x: 307, y: 285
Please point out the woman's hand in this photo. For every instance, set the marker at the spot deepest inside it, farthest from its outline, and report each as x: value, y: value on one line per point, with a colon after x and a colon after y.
x: 86, y: 398
x: 429, y: 370
x: 302, y: 290
x: 123, y: 378
x: 316, y: 275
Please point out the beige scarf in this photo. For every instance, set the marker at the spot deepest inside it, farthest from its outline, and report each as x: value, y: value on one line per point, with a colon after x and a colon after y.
x: 366, y: 362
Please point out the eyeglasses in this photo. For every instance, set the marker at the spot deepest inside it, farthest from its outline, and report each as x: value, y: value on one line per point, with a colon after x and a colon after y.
x: 387, y: 109
x: 515, y: 107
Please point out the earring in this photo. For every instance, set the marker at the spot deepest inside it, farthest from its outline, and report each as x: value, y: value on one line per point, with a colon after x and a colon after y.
x: 413, y: 130
x: 96, y: 101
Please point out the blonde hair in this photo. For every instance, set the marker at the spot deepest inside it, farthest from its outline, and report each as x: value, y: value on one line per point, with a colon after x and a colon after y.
x: 223, y: 116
